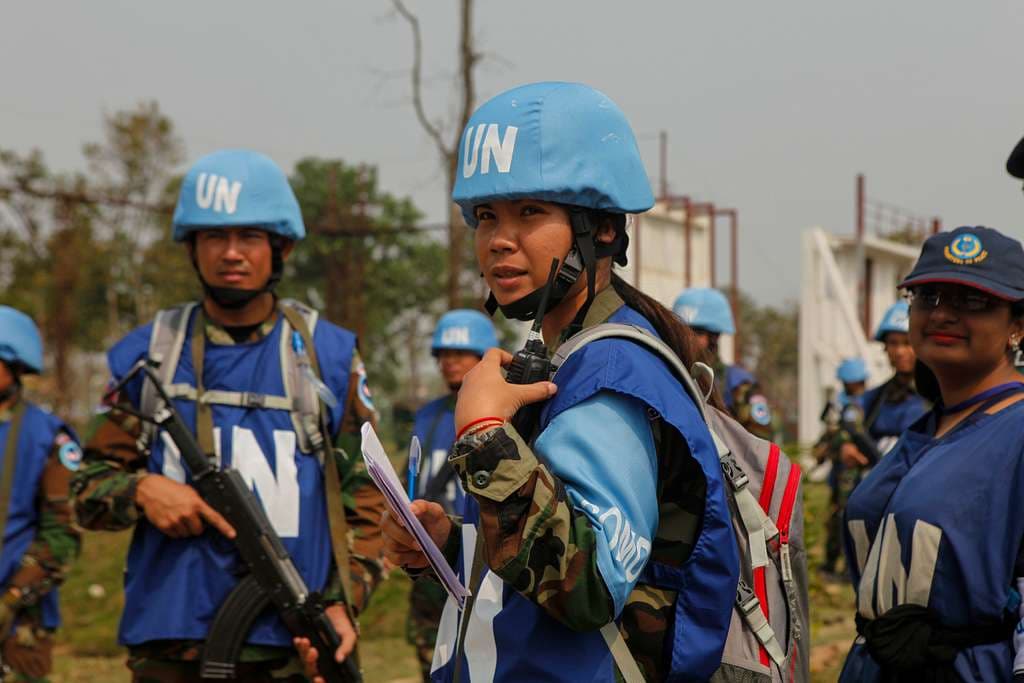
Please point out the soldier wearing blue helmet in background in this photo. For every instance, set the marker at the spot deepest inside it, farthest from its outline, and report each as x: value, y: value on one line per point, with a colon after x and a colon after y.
x: 888, y: 409
x: 562, y: 591
x: 460, y: 340
x: 38, y: 453
x: 266, y: 384
x: 852, y: 373
x: 709, y: 315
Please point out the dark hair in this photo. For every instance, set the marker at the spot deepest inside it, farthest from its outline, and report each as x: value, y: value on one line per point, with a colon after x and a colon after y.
x: 673, y: 331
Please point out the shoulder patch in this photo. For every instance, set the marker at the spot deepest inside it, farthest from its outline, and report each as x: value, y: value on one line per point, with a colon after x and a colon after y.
x: 363, y: 390
x: 69, y: 452
x: 759, y: 410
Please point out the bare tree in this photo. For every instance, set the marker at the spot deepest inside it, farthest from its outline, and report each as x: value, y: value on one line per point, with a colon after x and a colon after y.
x: 447, y: 142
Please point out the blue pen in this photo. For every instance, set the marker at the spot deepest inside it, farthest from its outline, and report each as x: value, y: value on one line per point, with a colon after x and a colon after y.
x: 414, y: 465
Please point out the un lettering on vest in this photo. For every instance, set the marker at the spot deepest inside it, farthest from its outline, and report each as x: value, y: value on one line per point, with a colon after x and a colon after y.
x: 278, y: 491
x: 885, y: 582
x: 629, y: 549
x: 483, y: 144
x: 217, y: 192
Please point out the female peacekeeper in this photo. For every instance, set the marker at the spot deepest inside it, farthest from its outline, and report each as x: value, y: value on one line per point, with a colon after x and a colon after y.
x: 611, y: 524
x: 934, y: 532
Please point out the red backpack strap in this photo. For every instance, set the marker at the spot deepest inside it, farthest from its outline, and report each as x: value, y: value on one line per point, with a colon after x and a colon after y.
x: 771, y: 473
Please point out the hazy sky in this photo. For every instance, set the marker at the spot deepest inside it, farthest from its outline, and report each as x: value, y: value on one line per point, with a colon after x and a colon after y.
x: 771, y: 108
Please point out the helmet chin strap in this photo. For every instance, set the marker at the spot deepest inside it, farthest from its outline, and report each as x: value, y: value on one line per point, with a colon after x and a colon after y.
x: 582, y: 257
x: 233, y: 298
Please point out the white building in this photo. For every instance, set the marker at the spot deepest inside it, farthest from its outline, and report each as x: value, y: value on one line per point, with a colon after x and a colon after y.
x: 657, y: 257
x: 833, y: 312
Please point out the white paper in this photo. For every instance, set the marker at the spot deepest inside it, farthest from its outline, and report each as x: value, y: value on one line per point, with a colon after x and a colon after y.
x: 383, y: 475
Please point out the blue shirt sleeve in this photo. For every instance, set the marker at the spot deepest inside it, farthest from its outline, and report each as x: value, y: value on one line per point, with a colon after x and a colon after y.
x: 603, y: 451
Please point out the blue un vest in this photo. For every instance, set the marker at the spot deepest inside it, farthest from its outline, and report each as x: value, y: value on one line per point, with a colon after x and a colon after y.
x: 525, y: 644
x: 435, y: 427
x: 38, y: 431
x: 893, y: 418
x: 173, y: 587
x: 942, y: 520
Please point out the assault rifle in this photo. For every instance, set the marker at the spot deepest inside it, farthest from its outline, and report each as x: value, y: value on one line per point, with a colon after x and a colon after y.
x: 854, y: 428
x: 272, y: 580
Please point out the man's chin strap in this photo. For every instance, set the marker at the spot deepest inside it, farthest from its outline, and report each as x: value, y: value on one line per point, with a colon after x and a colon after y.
x: 234, y: 298
x: 582, y: 256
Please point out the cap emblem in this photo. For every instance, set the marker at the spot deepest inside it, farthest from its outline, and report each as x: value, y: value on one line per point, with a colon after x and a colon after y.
x: 965, y: 250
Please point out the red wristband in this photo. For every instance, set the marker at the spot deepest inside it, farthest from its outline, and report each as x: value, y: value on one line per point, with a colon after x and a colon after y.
x: 465, y: 428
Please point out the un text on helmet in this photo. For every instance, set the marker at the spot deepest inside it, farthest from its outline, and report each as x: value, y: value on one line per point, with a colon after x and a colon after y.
x: 486, y: 136
x: 214, y: 190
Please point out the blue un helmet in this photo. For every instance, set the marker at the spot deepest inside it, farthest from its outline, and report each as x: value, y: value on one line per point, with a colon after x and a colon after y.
x: 706, y: 309
x: 464, y: 330
x: 235, y: 188
x: 558, y: 142
x: 896, y: 319
x: 852, y: 370
x: 20, y: 343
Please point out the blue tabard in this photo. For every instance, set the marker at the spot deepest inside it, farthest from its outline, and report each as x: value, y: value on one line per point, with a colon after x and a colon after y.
x: 38, y: 431
x: 173, y: 587
x: 435, y: 427
x: 524, y: 642
x: 893, y: 418
x: 937, y: 523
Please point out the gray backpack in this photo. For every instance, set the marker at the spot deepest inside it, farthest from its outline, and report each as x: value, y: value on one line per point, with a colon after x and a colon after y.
x: 768, y: 639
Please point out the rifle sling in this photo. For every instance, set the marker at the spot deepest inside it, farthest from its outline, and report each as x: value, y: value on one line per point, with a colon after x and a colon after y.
x: 10, y: 458
x: 332, y: 479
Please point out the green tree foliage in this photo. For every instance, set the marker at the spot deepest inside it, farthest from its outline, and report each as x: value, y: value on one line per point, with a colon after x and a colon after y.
x: 376, y: 271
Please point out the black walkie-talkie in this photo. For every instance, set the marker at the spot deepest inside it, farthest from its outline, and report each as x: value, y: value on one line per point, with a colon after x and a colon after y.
x: 531, y: 363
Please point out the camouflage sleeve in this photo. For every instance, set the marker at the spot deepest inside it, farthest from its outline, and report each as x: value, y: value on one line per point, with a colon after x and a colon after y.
x: 364, y: 504
x: 534, y: 538
x: 57, y: 541
x: 103, y: 490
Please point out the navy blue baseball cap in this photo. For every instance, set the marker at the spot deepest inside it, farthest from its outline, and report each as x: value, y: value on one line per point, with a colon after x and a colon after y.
x: 977, y: 257
x: 1015, y: 164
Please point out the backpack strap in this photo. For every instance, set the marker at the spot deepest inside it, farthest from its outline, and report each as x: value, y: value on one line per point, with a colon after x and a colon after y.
x: 297, y: 388
x: 165, y: 344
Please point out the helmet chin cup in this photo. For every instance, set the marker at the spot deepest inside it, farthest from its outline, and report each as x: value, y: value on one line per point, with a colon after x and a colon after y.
x: 525, y: 308
x: 233, y: 298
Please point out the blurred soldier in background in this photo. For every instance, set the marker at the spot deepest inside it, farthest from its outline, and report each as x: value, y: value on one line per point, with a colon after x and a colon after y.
x: 267, y: 385
x: 838, y: 416
x: 39, y: 453
x: 460, y: 340
x: 708, y: 314
x: 888, y: 409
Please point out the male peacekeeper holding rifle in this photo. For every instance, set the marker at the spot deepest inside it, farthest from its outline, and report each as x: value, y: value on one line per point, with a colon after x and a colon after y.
x: 38, y: 452
x: 265, y: 385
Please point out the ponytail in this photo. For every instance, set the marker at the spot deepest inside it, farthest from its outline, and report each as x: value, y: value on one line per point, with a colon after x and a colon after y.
x: 670, y: 328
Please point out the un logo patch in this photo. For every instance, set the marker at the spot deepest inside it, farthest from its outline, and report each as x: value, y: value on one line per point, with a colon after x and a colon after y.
x: 966, y: 249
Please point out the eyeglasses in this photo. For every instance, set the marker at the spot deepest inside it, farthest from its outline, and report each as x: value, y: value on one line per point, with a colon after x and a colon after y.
x: 928, y: 298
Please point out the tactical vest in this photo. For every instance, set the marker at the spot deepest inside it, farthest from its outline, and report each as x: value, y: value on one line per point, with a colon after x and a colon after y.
x: 33, y: 440
x: 937, y: 524
x: 265, y: 413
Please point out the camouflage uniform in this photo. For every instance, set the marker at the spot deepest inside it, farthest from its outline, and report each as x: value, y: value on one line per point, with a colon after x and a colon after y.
x: 46, y: 562
x: 842, y: 478
x: 104, y: 498
x: 537, y: 542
